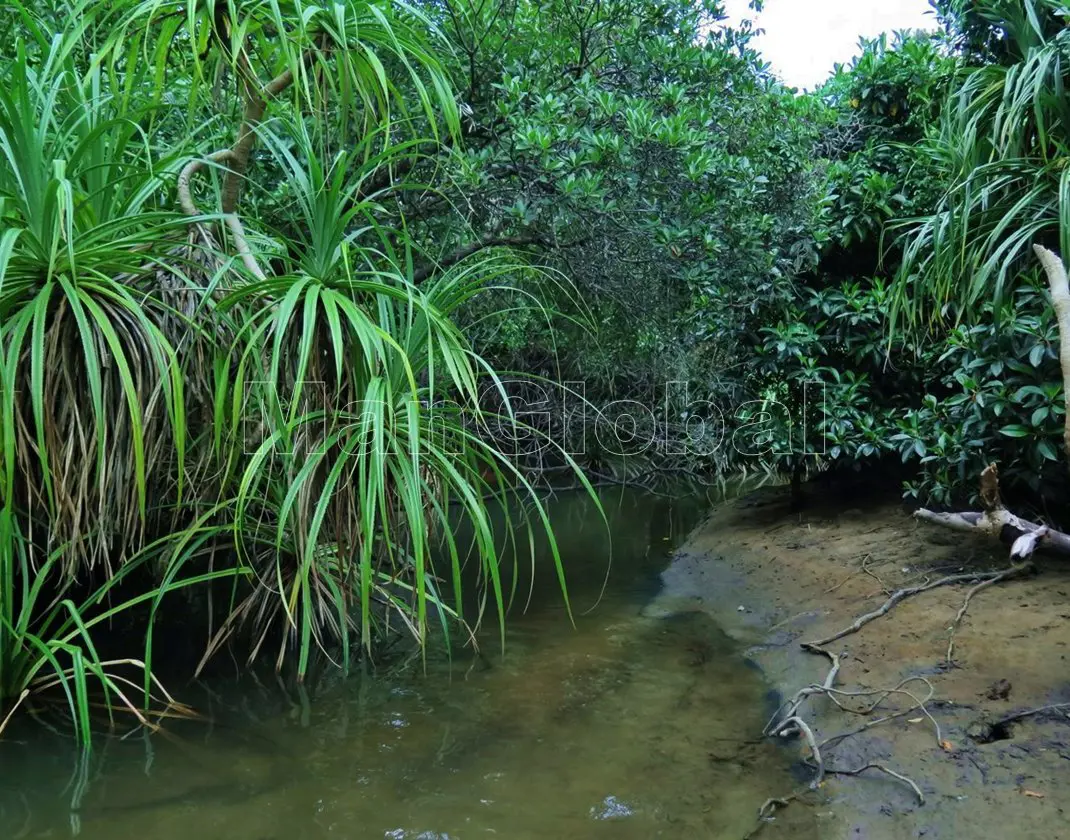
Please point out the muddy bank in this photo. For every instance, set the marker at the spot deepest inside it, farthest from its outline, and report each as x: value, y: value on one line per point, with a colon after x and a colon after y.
x: 774, y: 578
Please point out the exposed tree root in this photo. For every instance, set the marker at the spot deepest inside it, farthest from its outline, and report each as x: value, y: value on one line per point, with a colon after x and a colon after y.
x: 994, y: 521
x: 789, y: 711
x: 985, y: 731
x: 789, y: 721
x: 873, y: 765
x: 919, y: 706
x: 1017, y: 716
x: 907, y: 592
x: 769, y: 809
x: 1013, y: 571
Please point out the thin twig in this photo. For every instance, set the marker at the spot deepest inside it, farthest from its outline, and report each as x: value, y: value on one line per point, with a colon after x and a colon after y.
x: 855, y: 572
x: 842, y: 582
x: 884, y: 589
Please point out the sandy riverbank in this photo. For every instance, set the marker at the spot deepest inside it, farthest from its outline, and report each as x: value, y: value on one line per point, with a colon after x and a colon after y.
x: 800, y: 576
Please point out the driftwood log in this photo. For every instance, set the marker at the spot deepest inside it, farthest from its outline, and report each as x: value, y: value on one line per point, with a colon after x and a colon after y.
x: 998, y: 522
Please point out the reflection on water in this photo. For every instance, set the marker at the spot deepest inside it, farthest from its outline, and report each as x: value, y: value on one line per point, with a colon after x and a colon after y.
x: 625, y: 726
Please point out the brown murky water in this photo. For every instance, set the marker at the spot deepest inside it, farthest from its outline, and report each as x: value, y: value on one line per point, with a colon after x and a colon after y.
x: 624, y: 726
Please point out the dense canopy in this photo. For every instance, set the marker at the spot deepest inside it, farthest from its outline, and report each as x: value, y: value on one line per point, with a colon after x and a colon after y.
x: 294, y: 295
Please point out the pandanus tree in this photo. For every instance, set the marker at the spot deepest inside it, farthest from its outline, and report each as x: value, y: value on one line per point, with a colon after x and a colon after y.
x: 1004, y: 143
x: 215, y: 359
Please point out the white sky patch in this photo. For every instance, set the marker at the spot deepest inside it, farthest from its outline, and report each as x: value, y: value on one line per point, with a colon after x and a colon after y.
x: 804, y: 38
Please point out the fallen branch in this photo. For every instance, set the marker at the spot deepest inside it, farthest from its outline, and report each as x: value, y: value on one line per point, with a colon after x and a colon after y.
x: 998, y: 522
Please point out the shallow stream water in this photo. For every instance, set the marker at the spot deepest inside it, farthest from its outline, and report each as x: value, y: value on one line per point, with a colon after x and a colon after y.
x: 626, y: 725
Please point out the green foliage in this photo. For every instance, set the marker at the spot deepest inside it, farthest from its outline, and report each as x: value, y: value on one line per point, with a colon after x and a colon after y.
x: 1003, y: 143
x: 275, y: 394
x: 647, y: 154
x: 884, y: 103
x: 979, y: 381
x: 824, y: 364
x: 943, y: 406
x: 260, y: 267
x: 1000, y: 400
x: 47, y: 628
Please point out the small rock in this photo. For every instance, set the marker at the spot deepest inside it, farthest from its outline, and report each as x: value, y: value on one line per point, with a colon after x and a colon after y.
x: 999, y: 690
